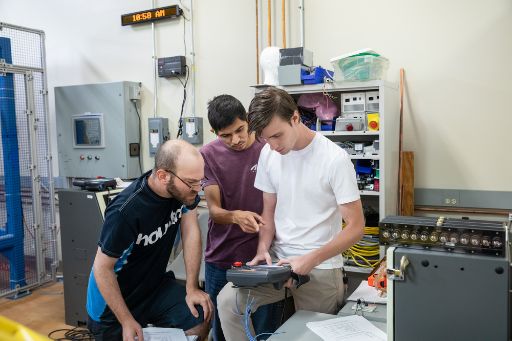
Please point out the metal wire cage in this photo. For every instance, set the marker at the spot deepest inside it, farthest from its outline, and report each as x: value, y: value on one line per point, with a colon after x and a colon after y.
x: 27, y: 209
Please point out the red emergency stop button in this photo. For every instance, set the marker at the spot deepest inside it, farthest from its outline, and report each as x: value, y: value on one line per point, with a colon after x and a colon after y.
x: 237, y: 264
x: 373, y: 125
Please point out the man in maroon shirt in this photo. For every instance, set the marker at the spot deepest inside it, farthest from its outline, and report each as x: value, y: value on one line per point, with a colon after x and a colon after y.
x: 233, y: 201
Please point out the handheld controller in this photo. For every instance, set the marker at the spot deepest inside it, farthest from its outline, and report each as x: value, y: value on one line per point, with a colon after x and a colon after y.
x: 252, y: 276
x: 96, y: 185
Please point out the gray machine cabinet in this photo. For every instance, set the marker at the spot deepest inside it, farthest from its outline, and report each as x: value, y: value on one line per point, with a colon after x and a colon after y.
x: 120, y: 130
x: 449, y: 296
x: 81, y: 220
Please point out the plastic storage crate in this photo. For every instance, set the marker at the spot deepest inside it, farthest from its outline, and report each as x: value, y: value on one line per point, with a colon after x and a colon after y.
x: 360, y: 67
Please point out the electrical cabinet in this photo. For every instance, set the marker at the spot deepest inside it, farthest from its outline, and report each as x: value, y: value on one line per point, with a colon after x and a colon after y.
x: 98, y: 130
x: 81, y: 219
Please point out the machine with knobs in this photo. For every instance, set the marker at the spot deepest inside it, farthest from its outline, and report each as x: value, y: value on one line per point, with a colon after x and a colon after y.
x: 444, y: 273
x: 453, y: 235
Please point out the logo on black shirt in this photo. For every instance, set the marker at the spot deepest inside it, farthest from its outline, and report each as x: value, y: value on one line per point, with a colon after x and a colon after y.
x: 154, y: 236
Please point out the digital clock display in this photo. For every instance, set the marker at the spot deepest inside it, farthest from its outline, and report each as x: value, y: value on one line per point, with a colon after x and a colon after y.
x: 151, y: 15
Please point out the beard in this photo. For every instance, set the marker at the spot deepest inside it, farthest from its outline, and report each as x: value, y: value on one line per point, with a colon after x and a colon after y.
x: 186, y: 198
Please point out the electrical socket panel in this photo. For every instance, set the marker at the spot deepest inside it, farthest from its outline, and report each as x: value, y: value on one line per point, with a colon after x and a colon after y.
x: 372, y: 101
x: 353, y: 102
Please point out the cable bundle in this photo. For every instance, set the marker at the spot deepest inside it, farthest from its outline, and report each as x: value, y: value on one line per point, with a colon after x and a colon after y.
x: 249, y: 304
x: 247, y: 316
x: 73, y: 334
x: 365, y: 253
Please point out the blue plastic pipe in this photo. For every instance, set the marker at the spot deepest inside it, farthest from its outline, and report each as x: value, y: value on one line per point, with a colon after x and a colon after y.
x: 11, y: 239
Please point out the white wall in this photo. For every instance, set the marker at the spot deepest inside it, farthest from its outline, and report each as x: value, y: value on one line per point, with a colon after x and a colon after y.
x: 456, y: 55
x: 86, y: 43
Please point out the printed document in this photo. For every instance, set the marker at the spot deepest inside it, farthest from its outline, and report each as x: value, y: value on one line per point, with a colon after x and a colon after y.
x: 348, y: 328
x: 163, y: 334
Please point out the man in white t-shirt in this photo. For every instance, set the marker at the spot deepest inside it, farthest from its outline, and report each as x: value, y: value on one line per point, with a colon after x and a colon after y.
x: 309, y: 185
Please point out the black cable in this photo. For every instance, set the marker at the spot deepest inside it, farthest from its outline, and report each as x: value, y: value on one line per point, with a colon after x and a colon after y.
x: 108, y: 200
x: 284, y: 306
x: 140, y: 133
x: 180, y: 123
x: 73, y: 334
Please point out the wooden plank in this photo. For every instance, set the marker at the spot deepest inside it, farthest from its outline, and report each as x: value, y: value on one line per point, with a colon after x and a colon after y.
x: 406, y: 183
x: 400, y: 136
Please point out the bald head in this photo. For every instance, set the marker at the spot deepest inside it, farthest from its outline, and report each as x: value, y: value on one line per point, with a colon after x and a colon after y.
x: 175, y: 154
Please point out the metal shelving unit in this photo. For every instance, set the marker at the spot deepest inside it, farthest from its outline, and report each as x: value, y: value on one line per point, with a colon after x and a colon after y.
x: 388, y: 134
x: 384, y: 200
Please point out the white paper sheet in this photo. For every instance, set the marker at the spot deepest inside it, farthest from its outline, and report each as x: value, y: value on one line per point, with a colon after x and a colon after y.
x: 367, y: 293
x: 348, y: 328
x: 163, y: 334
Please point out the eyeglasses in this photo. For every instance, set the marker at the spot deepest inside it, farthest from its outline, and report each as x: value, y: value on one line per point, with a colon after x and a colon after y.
x: 190, y: 186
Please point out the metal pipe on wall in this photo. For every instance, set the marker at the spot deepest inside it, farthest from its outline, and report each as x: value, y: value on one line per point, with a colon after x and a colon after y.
x: 193, y: 60
x: 155, y: 66
x: 301, y: 21
x: 269, y: 23
x: 283, y: 22
x: 257, y: 44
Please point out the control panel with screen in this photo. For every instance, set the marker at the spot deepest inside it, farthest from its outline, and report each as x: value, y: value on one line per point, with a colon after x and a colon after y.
x: 88, y: 131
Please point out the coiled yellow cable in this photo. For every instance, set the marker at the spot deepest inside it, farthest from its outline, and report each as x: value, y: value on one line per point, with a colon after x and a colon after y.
x: 360, y: 252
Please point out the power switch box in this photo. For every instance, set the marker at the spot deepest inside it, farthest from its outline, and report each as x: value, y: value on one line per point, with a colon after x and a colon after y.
x: 158, y: 128
x: 172, y: 66
x: 353, y: 102
x: 135, y: 92
x: 372, y: 101
x: 193, y: 129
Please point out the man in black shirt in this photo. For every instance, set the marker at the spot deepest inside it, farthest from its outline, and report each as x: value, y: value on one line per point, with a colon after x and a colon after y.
x: 128, y: 286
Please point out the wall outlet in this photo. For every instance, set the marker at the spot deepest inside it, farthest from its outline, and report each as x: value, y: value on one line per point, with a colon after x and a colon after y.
x: 450, y: 201
x: 449, y: 197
